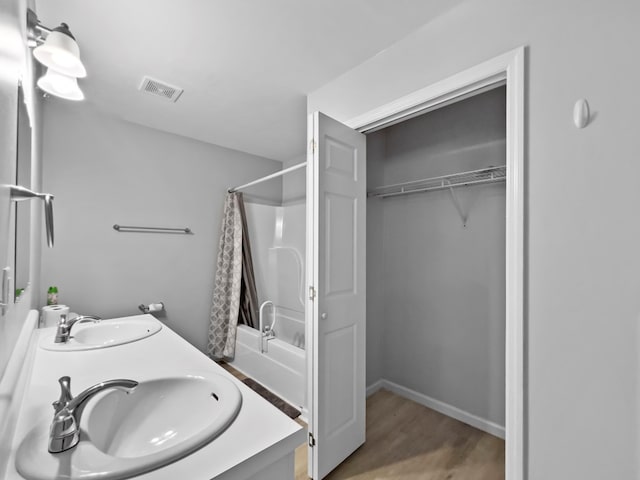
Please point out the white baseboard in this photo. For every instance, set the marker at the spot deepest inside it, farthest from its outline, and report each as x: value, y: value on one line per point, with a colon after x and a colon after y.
x: 444, y: 408
x: 374, y: 387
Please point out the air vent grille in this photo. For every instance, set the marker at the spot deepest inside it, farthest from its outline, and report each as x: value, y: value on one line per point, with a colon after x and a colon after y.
x: 160, y: 89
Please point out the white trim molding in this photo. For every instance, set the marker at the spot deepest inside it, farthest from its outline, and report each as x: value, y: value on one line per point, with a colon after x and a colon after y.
x: 439, y: 406
x: 374, y: 387
x: 505, y: 69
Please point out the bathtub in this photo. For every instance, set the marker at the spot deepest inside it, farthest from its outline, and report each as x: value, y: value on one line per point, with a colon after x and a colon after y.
x: 282, y: 366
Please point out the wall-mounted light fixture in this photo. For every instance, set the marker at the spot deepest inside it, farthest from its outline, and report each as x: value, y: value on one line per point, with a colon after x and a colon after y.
x: 58, y: 51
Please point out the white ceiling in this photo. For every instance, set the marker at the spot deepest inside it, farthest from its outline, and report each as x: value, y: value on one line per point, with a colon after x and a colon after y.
x: 246, y: 65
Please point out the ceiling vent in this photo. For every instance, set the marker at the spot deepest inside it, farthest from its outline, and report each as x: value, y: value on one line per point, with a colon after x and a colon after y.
x: 160, y: 89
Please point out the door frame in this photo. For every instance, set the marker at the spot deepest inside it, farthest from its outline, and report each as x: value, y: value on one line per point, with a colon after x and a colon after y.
x: 507, y: 68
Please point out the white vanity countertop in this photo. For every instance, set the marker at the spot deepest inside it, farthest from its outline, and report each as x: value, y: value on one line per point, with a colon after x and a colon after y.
x: 260, y: 434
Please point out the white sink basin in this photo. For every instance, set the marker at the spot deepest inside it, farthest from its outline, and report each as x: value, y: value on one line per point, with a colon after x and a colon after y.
x: 107, y: 333
x: 123, y: 435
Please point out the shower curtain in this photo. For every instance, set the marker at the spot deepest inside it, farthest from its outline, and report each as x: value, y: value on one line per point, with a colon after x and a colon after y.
x: 248, y: 293
x: 234, y: 289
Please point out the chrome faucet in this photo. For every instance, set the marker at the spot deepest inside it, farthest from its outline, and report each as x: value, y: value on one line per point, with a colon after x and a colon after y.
x: 64, y: 326
x: 64, y: 432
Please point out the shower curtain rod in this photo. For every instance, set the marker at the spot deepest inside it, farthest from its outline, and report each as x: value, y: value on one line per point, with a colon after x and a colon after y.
x: 268, y: 177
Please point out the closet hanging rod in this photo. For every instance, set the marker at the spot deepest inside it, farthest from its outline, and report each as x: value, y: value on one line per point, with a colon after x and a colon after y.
x: 131, y: 228
x: 473, y: 177
x: 268, y: 177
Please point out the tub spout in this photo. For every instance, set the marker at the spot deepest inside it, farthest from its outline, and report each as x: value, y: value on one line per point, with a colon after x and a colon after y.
x: 266, y: 330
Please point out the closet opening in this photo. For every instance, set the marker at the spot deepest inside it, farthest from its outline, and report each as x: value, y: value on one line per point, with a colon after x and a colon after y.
x: 436, y: 293
x: 505, y: 72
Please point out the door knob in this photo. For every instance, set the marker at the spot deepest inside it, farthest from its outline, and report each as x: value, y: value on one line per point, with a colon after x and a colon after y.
x: 323, y: 316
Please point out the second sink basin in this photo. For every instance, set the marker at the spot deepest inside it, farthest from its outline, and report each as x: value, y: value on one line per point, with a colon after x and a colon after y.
x: 107, y: 333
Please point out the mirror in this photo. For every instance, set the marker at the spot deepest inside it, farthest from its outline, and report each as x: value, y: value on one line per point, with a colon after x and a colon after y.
x: 23, y: 209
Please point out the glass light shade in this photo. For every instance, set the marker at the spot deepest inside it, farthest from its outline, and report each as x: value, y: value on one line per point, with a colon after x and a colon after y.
x: 60, y: 85
x: 60, y: 52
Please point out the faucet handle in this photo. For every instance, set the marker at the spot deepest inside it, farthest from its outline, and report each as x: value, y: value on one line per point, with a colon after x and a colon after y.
x: 65, y: 394
x: 62, y: 332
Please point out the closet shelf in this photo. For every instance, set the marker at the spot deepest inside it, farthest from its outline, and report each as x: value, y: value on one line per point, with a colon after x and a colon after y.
x: 473, y: 177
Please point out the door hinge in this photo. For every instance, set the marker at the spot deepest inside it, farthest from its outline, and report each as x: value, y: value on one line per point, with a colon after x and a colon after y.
x: 312, y: 293
x: 312, y: 440
x: 312, y: 146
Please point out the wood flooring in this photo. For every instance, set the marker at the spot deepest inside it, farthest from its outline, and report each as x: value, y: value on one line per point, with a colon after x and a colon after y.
x: 407, y: 441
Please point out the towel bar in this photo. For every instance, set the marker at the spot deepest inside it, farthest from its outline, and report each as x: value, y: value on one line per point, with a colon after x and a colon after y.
x: 130, y: 228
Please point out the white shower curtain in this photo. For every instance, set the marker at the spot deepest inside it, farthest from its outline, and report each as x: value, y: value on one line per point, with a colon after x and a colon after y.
x: 228, y: 281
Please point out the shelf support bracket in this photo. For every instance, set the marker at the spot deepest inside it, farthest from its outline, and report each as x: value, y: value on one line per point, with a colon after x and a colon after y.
x: 456, y: 203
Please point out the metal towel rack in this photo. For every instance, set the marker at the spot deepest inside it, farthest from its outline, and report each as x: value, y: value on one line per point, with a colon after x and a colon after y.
x: 131, y: 228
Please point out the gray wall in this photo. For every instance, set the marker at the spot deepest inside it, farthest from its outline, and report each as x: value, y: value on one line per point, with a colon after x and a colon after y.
x: 582, y: 283
x: 105, y: 171
x: 294, y: 184
x: 436, y: 298
x: 376, y: 354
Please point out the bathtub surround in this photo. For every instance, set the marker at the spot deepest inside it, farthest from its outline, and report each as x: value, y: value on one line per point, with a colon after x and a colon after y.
x: 278, y: 236
x: 228, y: 278
x: 281, y: 368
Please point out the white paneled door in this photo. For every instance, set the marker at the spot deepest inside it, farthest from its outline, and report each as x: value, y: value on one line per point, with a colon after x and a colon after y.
x: 336, y: 202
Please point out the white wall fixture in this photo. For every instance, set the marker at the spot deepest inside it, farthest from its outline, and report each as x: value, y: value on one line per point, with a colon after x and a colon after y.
x: 160, y: 89
x: 581, y: 113
x: 60, y: 85
x: 59, y: 52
